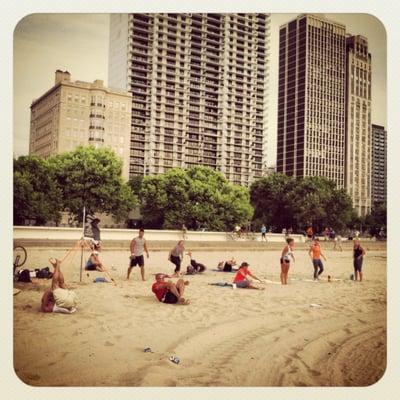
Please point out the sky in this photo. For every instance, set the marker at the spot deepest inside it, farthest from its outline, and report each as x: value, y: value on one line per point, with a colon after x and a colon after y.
x: 78, y: 43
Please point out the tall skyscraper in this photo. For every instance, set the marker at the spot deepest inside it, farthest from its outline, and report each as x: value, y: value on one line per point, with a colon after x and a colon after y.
x: 74, y: 113
x: 379, y: 164
x: 199, y: 85
x: 358, y: 123
x: 311, y: 98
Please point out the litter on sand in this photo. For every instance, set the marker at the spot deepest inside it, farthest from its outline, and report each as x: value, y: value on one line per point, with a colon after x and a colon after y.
x: 175, y: 359
x: 16, y: 291
x: 315, y: 305
x: 147, y: 350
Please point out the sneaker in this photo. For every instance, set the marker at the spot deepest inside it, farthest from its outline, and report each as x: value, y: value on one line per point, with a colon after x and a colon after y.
x: 234, y: 286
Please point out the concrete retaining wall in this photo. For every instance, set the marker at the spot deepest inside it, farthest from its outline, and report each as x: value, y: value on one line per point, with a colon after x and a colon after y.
x: 62, y: 233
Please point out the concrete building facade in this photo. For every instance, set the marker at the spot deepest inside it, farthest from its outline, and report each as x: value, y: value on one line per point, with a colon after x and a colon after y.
x: 74, y: 113
x: 311, y: 98
x: 358, y: 123
x: 379, y: 164
x: 199, y: 85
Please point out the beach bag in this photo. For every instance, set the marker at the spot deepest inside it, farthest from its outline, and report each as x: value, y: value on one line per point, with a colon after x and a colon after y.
x: 24, y: 276
x: 44, y: 273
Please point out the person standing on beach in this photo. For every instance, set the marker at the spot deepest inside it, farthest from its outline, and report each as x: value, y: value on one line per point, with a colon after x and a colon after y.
x: 286, y: 256
x: 315, y: 255
x: 176, y: 256
x: 138, y: 246
x: 263, y: 233
x: 358, y: 256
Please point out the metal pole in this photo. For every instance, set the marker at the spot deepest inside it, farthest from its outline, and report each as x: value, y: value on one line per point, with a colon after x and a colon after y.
x: 83, y: 235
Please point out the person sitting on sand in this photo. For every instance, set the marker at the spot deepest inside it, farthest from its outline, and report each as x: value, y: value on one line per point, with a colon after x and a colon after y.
x: 169, y: 292
x: 58, y: 298
x: 195, y: 267
x: 94, y: 263
x: 227, y: 266
x: 287, y: 254
x: 241, y: 278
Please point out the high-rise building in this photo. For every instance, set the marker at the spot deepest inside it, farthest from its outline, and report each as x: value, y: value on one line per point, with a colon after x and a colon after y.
x: 74, y: 113
x: 358, y: 123
x: 379, y: 164
x: 199, y: 85
x: 311, y: 98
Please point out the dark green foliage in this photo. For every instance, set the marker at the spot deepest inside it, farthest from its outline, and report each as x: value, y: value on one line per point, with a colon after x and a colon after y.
x: 199, y: 197
x: 36, y: 194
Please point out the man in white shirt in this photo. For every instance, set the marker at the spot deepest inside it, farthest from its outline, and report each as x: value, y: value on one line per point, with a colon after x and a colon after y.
x: 138, y: 247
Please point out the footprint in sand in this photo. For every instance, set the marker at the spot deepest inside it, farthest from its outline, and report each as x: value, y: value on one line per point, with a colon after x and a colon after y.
x: 347, y: 330
x: 107, y: 343
x: 362, y: 321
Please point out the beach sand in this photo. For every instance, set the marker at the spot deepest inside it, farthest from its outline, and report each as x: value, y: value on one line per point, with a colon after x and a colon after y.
x: 225, y: 337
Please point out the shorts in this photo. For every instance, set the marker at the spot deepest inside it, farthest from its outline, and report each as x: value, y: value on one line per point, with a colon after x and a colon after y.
x: 137, y: 260
x: 90, y: 267
x: 242, y: 284
x: 169, y: 298
x: 177, y: 261
x: 64, y: 298
x: 358, y: 264
x: 282, y: 261
x: 263, y: 234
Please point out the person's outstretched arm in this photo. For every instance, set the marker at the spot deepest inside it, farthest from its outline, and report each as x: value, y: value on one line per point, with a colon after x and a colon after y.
x: 145, y: 249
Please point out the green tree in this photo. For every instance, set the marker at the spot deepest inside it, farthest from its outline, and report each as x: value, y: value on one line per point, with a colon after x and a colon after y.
x: 36, y: 195
x: 270, y: 197
x: 92, y: 178
x: 282, y: 201
x: 199, y: 196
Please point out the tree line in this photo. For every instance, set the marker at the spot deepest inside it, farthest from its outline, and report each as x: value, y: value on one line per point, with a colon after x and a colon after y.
x: 199, y: 197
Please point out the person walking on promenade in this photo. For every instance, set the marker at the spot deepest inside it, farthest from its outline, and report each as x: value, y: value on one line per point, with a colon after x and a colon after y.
x: 263, y: 233
x: 184, y: 232
x: 315, y: 255
x: 176, y: 256
x: 358, y: 256
x: 286, y: 256
x: 138, y: 246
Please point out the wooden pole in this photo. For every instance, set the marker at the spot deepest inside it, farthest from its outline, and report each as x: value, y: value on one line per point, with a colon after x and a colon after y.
x: 83, y: 235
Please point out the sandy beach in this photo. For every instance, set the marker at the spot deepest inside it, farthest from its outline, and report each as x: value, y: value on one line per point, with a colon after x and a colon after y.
x: 303, y: 334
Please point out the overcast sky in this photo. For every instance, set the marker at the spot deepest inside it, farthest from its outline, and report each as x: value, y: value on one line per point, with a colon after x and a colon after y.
x: 79, y: 44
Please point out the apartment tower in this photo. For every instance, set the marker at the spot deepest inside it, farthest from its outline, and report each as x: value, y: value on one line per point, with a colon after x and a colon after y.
x: 378, y: 164
x: 199, y: 86
x: 311, y: 98
x: 358, y: 123
x: 73, y: 113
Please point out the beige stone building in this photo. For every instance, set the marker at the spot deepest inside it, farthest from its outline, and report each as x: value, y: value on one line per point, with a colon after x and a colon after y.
x: 74, y: 113
x: 358, y: 123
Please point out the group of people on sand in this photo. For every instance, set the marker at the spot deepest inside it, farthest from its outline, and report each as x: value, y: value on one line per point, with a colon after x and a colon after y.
x: 315, y: 254
x: 60, y: 299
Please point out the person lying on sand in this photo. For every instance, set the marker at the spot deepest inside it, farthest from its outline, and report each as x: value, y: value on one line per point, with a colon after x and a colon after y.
x: 241, y: 279
x: 169, y: 292
x: 226, y: 266
x: 58, y: 298
x: 195, y: 267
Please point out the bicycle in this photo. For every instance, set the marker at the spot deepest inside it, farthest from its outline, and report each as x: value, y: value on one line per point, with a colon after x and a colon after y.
x: 20, y: 256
